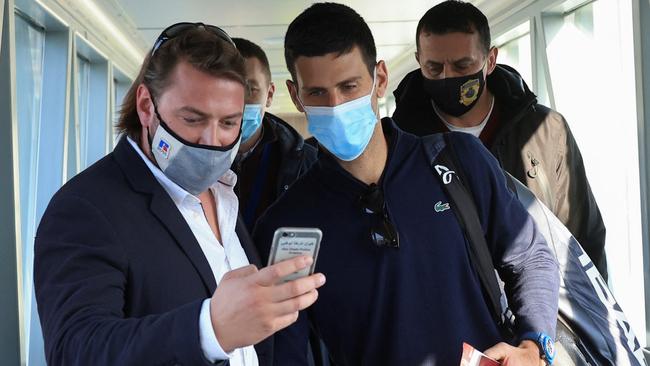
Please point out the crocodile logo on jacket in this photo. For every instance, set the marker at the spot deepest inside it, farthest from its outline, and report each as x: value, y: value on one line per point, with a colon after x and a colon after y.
x: 440, y: 207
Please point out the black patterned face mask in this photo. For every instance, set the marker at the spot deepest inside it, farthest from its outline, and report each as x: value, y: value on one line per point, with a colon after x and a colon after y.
x: 456, y: 96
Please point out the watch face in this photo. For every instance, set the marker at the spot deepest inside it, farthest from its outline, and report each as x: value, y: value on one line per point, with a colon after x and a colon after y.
x: 549, y: 347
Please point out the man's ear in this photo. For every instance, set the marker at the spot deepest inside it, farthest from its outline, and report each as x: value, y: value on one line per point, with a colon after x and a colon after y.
x: 145, y: 109
x: 417, y: 57
x: 492, y: 59
x: 293, y: 92
x: 144, y: 106
x: 269, y: 97
x: 382, y: 79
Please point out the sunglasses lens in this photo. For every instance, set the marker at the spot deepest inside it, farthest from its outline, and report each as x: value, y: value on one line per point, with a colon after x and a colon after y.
x: 175, y: 29
x: 378, y: 238
x: 221, y: 33
x: 179, y: 28
x: 385, y: 234
x: 382, y: 231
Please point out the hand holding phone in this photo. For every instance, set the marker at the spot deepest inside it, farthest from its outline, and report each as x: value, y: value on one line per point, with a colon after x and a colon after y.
x: 289, y: 242
x: 250, y: 304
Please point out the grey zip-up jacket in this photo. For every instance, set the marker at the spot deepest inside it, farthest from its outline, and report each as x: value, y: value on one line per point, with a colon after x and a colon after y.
x: 533, y: 143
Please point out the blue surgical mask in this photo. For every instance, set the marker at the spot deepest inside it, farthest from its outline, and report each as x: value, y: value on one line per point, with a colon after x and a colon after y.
x: 344, y: 130
x: 252, y: 120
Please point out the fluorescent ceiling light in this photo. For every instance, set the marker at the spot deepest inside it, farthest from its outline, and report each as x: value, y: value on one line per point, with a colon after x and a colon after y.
x: 113, y: 30
x: 274, y: 41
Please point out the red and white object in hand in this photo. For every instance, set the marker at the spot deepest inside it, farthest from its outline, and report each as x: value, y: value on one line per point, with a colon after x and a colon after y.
x: 474, y: 357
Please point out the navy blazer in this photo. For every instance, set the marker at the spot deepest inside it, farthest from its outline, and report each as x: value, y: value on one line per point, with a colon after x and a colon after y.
x: 119, y: 276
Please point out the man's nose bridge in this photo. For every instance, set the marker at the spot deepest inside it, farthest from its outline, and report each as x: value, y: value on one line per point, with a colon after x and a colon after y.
x: 210, y: 135
x: 334, y: 98
x: 446, y: 71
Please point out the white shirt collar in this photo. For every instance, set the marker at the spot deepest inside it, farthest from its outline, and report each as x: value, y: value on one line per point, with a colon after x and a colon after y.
x: 474, y: 130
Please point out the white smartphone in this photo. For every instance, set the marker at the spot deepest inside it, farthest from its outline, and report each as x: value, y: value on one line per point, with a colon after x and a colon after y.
x: 289, y: 242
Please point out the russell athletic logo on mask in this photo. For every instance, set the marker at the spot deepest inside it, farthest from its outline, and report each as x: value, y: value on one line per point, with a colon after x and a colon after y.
x: 164, y: 147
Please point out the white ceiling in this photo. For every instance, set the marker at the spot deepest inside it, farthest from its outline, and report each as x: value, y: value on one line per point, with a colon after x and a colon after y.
x: 265, y: 22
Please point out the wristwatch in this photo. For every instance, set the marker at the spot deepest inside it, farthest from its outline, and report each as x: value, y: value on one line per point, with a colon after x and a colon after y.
x: 545, y: 344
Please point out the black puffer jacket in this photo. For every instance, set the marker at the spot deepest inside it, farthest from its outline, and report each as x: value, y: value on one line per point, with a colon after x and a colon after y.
x: 533, y: 143
x: 287, y: 158
x: 297, y: 157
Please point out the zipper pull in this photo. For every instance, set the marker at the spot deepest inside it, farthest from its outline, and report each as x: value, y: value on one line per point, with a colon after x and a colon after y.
x: 532, y: 172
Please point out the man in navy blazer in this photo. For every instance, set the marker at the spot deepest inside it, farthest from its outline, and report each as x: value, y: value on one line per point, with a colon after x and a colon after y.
x: 141, y: 259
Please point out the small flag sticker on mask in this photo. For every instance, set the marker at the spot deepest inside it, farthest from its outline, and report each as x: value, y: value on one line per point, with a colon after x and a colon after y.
x: 163, y: 148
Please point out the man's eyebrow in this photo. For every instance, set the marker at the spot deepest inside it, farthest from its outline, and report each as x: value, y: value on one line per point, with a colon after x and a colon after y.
x: 461, y: 60
x: 310, y: 89
x: 349, y: 80
x: 433, y: 63
x: 193, y: 110
x: 343, y: 82
x: 464, y: 59
x: 237, y: 115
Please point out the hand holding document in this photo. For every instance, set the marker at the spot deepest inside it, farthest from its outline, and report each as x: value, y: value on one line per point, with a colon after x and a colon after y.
x: 474, y: 357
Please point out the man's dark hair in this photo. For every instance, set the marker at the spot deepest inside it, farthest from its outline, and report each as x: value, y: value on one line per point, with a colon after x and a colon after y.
x: 328, y: 28
x: 455, y: 16
x: 203, y: 50
x: 249, y: 49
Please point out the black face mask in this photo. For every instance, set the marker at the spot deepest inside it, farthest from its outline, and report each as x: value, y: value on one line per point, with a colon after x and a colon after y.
x: 455, y: 96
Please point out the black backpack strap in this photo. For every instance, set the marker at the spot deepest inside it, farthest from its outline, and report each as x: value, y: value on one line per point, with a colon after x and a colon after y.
x: 451, y: 176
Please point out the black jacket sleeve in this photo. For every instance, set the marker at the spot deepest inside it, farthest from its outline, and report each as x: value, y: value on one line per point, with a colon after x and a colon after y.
x: 80, y: 276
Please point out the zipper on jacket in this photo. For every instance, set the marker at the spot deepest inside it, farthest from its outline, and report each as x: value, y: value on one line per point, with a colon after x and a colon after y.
x: 537, y: 172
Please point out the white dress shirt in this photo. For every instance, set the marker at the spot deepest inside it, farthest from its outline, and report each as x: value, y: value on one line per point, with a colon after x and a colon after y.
x: 222, y: 257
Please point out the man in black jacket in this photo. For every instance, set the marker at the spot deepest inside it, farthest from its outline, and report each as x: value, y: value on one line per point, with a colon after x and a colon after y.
x: 272, y: 154
x: 141, y: 258
x: 460, y: 87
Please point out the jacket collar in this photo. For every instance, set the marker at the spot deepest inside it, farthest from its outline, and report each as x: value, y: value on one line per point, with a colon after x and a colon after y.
x: 335, y: 177
x: 141, y: 179
x: 290, y: 139
x: 295, y: 154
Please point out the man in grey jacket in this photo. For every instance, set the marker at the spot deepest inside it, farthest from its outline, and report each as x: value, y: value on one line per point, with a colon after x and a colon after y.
x: 460, y: 87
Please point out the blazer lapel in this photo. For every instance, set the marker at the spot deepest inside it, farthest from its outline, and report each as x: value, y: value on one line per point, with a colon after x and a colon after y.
x: 166, y: 211
x: 162, y: 207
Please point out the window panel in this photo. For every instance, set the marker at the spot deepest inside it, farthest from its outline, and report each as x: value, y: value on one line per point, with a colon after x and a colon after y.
x: 99, y: 115
x: 591, y: 64
x: 515, y: 51
x: 30, y: 45
x: 58, y: 116
x: 83, y: 103
x: 72, y: 147
x: 92, y: 95
x: 2, y: 9
x: 120, y: 88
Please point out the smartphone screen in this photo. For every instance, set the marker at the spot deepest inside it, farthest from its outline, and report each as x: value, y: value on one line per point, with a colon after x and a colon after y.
x: 291, y: 242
